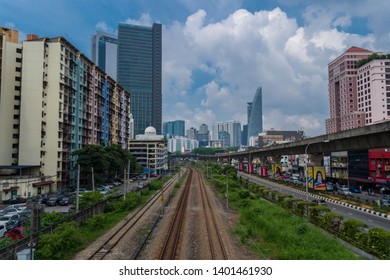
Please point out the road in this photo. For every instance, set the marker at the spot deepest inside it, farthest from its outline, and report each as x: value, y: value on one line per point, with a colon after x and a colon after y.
x: 370, y: 219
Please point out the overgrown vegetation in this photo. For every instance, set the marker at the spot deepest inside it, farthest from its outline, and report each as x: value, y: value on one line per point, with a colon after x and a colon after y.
x: 70, y: 237
x: 280, y: 230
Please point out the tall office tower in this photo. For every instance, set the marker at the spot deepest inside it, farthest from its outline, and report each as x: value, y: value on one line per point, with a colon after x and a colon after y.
x: 215, y: 129
x: 66, y: 103
x: 244, y: 135
x: 104, y: 49
x: 342, y: 90
x: 203, y: 135
x: 174, y: 128
x: 255, y: 115
x: 10, y: 86
x: 139, y: 72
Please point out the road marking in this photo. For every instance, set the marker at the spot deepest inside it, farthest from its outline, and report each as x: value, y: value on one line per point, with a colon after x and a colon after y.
x: 370, y: 221
x: 350, y: 214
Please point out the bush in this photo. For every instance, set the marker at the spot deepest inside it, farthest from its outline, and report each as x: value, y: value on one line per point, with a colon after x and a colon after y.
x: 59, y: 245
x: 379, y: 243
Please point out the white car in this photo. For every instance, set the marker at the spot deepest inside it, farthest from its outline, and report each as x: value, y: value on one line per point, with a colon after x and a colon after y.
x: 3, y: 230
x: 344, y: 191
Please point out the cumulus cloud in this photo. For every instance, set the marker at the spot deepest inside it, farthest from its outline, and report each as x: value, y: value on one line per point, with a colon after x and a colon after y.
x: 246, y: 50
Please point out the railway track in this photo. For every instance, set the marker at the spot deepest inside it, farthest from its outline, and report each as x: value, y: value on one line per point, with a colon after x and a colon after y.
x: 170, y: 245
x: 216, y: 246
x: 103, y: 250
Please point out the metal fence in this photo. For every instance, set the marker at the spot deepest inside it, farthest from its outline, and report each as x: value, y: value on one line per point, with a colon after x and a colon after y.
x: 10, y: 252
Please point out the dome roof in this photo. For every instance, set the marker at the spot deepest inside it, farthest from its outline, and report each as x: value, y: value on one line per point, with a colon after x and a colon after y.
x: 150, y: 130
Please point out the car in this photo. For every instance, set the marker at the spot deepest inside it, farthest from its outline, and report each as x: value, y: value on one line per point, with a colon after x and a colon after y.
x: 386, y: 197
x: 3, y: 230
x: 354, y: 189
x: 385, y: 202
x: 43, y: 199
x: 295, y: 178
x: 9, y: 211
x: 319, y: 201
x: 7, y: 218
x: 26, y: 213
x: 16, y: 233
x: 344, y: 191
x: 330, y: 186
x: 52, y: 201
x: 66, y: 200
x: 14, y: 223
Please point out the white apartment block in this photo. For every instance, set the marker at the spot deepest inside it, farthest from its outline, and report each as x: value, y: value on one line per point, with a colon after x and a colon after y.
x: 10, y: 86
x: 373, y: 90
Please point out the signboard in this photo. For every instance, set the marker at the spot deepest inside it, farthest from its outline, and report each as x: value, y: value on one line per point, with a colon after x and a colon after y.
x: 310, y: 177
x: 319, y: 178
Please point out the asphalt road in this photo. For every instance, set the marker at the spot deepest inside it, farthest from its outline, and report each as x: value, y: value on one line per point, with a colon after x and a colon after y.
x: 372, y: 221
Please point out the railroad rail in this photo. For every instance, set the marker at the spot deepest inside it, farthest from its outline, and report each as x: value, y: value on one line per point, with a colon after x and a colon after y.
x: 170, y: 245
x: 118, y: 235
x: 217, y: 248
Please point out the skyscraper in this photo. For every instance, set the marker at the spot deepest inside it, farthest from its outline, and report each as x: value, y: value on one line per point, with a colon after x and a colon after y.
x: 104, y: 49
x: 139, y: 72
x: 255, y: 114
x: 174, y: 128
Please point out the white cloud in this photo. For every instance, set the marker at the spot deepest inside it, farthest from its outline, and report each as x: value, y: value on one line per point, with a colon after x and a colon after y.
x: 216, y: 67
x: 144, y: 20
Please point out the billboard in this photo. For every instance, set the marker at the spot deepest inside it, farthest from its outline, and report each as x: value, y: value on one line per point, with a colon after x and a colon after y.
x: 277, y: 169
x: 310, y: 177
x: 319, y: 178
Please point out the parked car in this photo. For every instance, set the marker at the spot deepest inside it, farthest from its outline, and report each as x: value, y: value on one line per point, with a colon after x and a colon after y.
x: 385, y: 202
x: 330, y: 186
x: 7, y: 218
x: 52, y: 201
x: 16, y: 233
x: 26, y: 213
x: 319, y: 201
x: 354, y: 189
x: 295, y: 178
x: 344, y: 191
x: 66, y: 200
x: 14, y: 223
x: 3, y: 230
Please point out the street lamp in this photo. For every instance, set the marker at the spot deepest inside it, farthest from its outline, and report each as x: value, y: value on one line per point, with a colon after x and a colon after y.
x: 307, y: 159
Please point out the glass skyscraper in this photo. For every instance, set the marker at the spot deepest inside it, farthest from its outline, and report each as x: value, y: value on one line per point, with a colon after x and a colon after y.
x: 255, y: 114
x: 139, y: 72
x: 174, y: 128
x: 104, y: 48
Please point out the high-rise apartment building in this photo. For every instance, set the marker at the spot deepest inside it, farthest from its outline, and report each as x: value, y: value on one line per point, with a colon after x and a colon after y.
x: 66, y: 104
x: 255, y: 114
x: 342, y: 90
x: 139, y: 72
x: 174, y: 128
x: 104, y: 48
x: 229, y: 132
x: 10, y: 87
x: 373, y: 89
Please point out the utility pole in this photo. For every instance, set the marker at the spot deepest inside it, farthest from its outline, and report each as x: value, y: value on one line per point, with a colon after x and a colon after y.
x: 227, y: 190
x: 78, y: 188
x: 128, y: 176
x: 93, y: 181
x: 124, y: 184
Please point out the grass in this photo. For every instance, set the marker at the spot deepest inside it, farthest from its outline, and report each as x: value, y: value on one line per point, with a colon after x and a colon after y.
x: 276, y: 233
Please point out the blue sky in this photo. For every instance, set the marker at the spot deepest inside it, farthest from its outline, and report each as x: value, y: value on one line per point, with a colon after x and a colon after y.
x: 216, y: 53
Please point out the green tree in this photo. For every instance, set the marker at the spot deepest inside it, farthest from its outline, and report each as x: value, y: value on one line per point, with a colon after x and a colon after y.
x: 118, y: 159
x: 92, y: 156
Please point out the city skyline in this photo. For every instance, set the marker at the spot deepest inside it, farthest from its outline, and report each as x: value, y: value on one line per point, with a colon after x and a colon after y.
x: 216, y: 53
